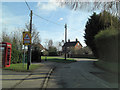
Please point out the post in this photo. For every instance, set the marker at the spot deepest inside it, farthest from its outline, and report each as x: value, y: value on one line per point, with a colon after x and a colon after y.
x: 29, y: 46
x: 24, y: 57
x: 65, y: 40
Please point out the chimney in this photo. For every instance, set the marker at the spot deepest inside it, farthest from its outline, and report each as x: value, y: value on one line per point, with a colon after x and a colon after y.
x: 68, y: 40
x: 76, y: 39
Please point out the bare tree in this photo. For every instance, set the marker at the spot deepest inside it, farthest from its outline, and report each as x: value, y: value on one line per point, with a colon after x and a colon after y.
x: 111, y: 6
x: 35, y: 34
x: 5, y: 37
x: 50, y: 43
x: 58, y: 45
x: 46, y: 43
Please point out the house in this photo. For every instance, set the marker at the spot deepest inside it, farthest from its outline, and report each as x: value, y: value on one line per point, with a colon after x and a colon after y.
x: 70, y: 45
x: 38, y: 46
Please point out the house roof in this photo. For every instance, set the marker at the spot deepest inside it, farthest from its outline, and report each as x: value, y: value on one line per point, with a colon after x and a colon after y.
x: 39, y: 45
x: 73, y: 43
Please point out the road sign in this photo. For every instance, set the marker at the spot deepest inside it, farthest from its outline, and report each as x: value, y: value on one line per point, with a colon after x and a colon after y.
x: 26, y: 38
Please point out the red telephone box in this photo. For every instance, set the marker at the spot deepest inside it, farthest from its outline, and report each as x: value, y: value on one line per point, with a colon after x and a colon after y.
x: 5, y: 49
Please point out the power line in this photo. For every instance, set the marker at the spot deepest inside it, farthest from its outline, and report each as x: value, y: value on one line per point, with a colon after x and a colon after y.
x: 39, y: 15
x: 27, y: 5
x: 46, y: 19
x: 54, y: 22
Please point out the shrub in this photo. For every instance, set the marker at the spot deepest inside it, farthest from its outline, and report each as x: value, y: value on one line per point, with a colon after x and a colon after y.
x: 52, y: 51
x: 16, y: 56
x: 107, y: 44
x: 36, y: 55
x: 97, y: 23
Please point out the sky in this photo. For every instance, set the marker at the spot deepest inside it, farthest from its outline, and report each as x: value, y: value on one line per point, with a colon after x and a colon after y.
x: 16, y: 14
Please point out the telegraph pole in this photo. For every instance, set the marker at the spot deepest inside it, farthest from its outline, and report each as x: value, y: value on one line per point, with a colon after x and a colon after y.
x: 29, y: 46
x: 65, y: 40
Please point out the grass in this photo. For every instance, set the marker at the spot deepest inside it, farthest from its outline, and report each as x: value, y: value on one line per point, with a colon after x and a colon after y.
x: 19, y: 67
x: 58, y: 59
x: 109, y: 66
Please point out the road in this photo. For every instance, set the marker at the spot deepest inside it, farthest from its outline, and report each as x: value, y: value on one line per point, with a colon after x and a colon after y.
x: 80, y: 74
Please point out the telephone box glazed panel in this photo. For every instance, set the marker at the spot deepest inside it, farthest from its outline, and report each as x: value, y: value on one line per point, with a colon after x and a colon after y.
x: 5, y: 48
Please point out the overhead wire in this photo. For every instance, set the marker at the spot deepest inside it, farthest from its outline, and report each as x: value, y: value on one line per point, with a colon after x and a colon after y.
x: 47, y: 19
x: 27, y: 5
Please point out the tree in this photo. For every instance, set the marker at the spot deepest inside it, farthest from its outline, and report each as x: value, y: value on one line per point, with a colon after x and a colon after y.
x: 35, y: 34
x: 46, y: 43
x: 36, y: 53
x: 50, y: 43
x: 5, y: 37
x: 58, y: 45
x: 112, y: 6
x: 52, y: 51
x: 94, y: 25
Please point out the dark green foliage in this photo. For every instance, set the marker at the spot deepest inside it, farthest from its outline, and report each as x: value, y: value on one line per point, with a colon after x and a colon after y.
x: 52, y: 51
x: 45, y: 53
x: 107, y: 44
x: 17, y: 54
x: 95, y: 24
x: 36, y: 54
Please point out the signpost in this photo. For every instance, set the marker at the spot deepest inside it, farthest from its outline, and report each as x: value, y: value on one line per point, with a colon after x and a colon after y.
x: 26, y: 41
x: 26, y: 38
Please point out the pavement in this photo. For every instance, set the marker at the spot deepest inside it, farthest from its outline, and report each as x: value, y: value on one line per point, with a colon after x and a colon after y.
x: 80, y: 74
x: 34, y: 79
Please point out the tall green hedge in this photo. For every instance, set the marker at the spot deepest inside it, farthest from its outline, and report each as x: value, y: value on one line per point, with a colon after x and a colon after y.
x: 107, y: 44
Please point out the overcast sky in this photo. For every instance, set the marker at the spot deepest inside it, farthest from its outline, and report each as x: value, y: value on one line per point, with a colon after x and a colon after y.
x: 16, y: 14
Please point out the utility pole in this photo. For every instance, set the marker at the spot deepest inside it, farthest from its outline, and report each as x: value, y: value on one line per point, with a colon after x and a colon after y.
x: 65, y: 40
x: 29, y: 46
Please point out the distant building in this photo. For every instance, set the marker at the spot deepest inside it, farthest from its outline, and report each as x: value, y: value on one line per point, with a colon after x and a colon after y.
x: 70, y: 45
x: 39, y: 46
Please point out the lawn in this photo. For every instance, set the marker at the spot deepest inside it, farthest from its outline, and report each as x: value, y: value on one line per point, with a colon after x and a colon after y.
x: 58, y: 59
x: 20, y: 67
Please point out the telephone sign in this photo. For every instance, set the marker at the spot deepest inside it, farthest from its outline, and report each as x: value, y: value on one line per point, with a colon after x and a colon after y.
x: 26, y: 38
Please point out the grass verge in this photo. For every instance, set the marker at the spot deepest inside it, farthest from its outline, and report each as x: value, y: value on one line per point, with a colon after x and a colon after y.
x: 109, y: 66
x: 21, y: 68
x: 58, y: 59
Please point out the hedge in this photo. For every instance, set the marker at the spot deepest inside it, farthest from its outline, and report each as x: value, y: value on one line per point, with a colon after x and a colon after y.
x: 107, y: 44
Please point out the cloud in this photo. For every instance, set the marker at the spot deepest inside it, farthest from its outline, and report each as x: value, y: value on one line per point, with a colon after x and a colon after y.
x: 60, y: 19
x: 52, y: 5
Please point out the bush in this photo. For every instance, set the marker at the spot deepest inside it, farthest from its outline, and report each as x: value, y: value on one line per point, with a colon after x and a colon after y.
x: 95, y: 24
x: 36, y: 56
x: 107, y: 44
x: 52, y: 51
x: 45, y: 53
x: 16, y: 56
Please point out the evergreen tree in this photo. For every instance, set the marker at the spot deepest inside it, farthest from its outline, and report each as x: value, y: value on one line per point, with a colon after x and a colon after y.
x: 95, y: 24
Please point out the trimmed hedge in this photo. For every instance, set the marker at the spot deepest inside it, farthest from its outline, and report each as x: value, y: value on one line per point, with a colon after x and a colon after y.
x: 109, y: 66
x: 107, y: 44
